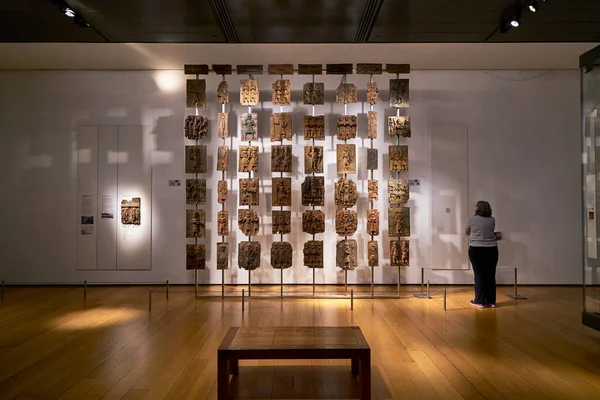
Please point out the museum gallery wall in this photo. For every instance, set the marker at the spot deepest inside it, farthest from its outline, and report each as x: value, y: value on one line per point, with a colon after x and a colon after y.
x: 39, y: 155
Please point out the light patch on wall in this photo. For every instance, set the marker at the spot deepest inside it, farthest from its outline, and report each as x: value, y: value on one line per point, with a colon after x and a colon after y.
x: 168, y: 81
x: 162, y: 157
x: 95, y: 318
x: 84, y: 156
x: 117, y: 157
x: 41, y: 161
x: 116, y: 113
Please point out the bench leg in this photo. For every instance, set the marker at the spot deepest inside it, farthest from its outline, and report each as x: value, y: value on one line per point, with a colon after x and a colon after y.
x: 234, y: 366
x: 222, y: 377
x: 365, y: 377
x: 355, y: 366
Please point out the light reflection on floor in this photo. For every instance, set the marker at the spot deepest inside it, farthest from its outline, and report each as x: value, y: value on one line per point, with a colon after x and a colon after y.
x: 99, y: 317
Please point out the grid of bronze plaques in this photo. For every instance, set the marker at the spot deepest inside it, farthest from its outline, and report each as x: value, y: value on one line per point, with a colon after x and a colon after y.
x: 313, y: 187
x: 399, y: 188
x: 280, y: 130
x: 222, y: 248
x: 196, y: 163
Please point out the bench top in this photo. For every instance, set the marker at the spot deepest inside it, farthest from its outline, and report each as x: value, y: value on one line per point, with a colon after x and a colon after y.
x: 294, y: 338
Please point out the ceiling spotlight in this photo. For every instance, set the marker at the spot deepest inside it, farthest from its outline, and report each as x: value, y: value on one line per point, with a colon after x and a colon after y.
x: 515, y: 21
x: 69, y: 12
x: 80, y: 21
x: 533, y: 6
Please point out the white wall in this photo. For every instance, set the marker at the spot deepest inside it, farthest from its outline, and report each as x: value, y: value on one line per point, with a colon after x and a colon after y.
x: 523, y: 156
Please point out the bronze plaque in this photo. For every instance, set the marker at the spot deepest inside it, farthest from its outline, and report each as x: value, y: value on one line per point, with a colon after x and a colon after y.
x: 346, y: 222
x: 281, y: 126
x: 222, y: 255
x: 223, y: 125
x: 222, y: 158
x: 310, y: 69
x: 222, y: 69
x: 131, y: 211
x: 195, y: 223
x: 314, y: 93
x: 248, y: 159
x: 399, y: 222
x: 282, y: 94
x: 346, y: 254
x: 249, y: 130
x: 195, y: 256
x: 313, y: 159
x: 195, y: 69
x: 399, y: 127
x: 397, y: 68
x: 313, y: 254
x: 249, y: 191
x: 338, y: 69
x: 398, y: 158
x: 249, y: 69
x: 249, y: 92
x: 196, y: 127
x: 346, y: 93
x: 282, y: 192
x: 280, y: 69
x: 346, y: 159
x: 346, y: 194
x: 223, y: 223
x: 195, y: 191
x: 248, y: 222
x: 281, y: 255
x: 249, y: 255
x: 372, y: 93
x: 222, y: 192
x: 398, y: 191
x: 373, y: 190
x: 314, y: 127
x: 196, y: 93
x: 281, y: 222
x: 373, y: 222
x: 400, y: 253
x: 313, y: 221
x: 372, y: 159
x: 195, y: 159
x: 223, y: 92
x: 373, y: 253
x: 372, y: 124
x: 313, y: 191
x: 369, y: 69
x: 281, y: 158
x: 399, y: 93
x: 346, y: 127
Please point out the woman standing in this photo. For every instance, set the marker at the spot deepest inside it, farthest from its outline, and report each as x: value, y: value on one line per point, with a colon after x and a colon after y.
x: 483, y: 253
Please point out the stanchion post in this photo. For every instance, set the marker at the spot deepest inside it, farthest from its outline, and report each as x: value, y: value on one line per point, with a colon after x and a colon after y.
x: 222, y: 284
x: 422, y: 278
x: 149, y: 300
x: 399, y: 277
x: 2, y: 292
x: 249, y: 283
x: 426, y: 294
x: 352, y: 299
x: 372, y: 282
x: 444, y: 299
x: 281, y: 281
x: 516, y: 294
x: 243, y: 295
x: 428, y: 290
x: 85, y: 290
x: 313, y: 283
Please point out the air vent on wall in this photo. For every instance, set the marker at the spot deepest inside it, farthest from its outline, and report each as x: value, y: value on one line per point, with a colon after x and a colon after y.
x: 367, y: 21
x: 223, y: 17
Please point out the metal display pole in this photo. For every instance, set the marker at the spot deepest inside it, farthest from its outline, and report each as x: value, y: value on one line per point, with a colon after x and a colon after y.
x: 352, y: 299
x: 243, y: 300
x: 149, y: 300
x: 445, y: 299
x: 222, y: 283
x: 85, y: 290
x: 2, y: 292
x: 423, y: 295
x: 516, y: 294
x: 167, y: 284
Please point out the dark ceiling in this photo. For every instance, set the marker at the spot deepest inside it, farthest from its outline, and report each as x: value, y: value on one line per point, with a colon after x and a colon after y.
x: 299, y: 21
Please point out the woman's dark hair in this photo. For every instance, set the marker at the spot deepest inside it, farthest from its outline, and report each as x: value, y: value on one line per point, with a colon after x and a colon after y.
x: 483, y: 209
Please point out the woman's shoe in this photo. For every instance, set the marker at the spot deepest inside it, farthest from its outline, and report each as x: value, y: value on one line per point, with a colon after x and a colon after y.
x: 493, y: 305
x: 476, y: 304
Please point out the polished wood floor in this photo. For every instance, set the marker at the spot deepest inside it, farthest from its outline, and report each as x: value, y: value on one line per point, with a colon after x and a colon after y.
x: 55, y: 345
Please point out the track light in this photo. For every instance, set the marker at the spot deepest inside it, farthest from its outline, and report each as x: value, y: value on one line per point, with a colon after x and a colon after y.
x: 80, y: 21
x: 69, y: 13
x: 533, y: 6
x: 515, y: 21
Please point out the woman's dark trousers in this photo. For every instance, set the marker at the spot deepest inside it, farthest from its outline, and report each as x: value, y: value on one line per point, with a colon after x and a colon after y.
x: 484, y: 261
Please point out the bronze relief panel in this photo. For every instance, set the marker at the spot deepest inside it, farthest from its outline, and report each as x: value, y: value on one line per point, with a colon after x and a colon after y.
x: 195, y: 223
x: 313, y: 159
x: 314, y: 127
x: 249, y: 92
x: 249, y: 123
x: 196, y: 93
x: 399, y: 222
x: 249, y: 255
x: 399, y: 127
x: 313, y: 191
x: 195, y: 191
x: 346, y: 158
x: 249, y: 192
x: 281, y: 126
x: 313, y: 254
x: 281, y: 158
x: 248, y: 159
x: 282, y: 192
x: 195, y: 256
x: 346, y: 222
x: 196, y: 127
x: 281, y: 222
x: 346, y: 127
x: 281, y: 255
x: 347, y: 255
x: 399, y: 158
x: 313, y: 222
x: 398, y: 191
x: 248, y: 222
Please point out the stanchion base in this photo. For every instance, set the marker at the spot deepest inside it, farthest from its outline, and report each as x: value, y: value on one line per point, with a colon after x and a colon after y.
x: 422, y: 296
x: 516, y: 296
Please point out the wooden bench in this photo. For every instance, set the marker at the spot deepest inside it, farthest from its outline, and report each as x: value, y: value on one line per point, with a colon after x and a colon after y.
x: 345, y: 342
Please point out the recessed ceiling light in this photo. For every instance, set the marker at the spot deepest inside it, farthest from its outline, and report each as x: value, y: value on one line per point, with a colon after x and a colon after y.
x: 69, y: 12
x: 515, y: 22
x: 533, y: 6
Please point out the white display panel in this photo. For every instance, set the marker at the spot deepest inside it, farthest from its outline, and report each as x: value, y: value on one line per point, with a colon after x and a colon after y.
x: 87, y: 194
x: 107, y: 197
x: 449, y: 196
x: 134, y: 177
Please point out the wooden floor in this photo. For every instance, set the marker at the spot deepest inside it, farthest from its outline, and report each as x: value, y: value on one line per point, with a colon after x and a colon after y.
x: 55, y: 345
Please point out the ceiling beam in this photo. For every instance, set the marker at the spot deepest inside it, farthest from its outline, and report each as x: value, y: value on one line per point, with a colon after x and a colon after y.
x: 367, y: 20
x: 221, y: 13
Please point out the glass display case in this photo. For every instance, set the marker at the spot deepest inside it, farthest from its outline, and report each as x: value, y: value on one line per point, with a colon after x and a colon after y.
x: 590, y: 105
